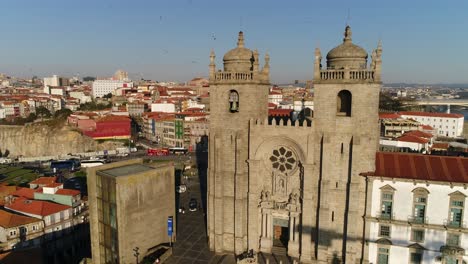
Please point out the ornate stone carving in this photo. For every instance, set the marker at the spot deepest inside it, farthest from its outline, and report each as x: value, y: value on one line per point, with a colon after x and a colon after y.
x: 283, y: 160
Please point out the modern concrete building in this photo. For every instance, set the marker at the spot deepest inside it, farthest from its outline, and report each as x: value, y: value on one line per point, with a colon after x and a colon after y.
x: 129, y: 205
x: 292, y: 186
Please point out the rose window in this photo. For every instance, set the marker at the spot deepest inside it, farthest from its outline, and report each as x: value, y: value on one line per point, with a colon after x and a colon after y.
x: 283, y: 159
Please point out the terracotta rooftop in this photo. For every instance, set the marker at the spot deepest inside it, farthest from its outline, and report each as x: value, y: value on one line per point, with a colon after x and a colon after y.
x: 24, y: 192
x: 389, y: 116
x: 279, y: 112
x: 109, y: 118
x: 413, y: 139
x: 419, y: 133
x: 429, y: 114
x: 36, y: 207
x: 421, y: 167
x: 8, y: 219
x: 427, y: 127
x: 53, y: 185
x: 440, y: 146
x: 44, y: 180
x: 69, y: 192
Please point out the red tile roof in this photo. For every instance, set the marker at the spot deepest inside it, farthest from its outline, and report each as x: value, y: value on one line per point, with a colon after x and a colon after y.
x: 8, y: 219
x: 421, y: 167
x: 279, y: 112
x: 431, y: 114
x: 44, y: 180
x: 24, y: 192
x: 69, y: 192
x: 389, y: 116
x: 53, y: 185
x: 418, y: 133
x: 427, y: 127
x: 36, y: 207
x: 413, y: 139
x: 440, y: 146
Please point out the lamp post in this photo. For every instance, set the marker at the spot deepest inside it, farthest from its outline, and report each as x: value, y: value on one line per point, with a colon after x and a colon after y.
x: 136, y: 254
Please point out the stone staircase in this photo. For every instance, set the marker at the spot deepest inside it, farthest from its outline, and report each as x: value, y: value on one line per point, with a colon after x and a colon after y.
x: 279, y: 251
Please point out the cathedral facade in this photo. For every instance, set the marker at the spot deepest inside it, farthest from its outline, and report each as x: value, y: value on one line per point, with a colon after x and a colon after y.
x: 293, y: 184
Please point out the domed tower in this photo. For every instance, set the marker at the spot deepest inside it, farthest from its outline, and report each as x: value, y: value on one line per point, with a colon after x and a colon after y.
x: 346, y: 125
x: 237, y: 94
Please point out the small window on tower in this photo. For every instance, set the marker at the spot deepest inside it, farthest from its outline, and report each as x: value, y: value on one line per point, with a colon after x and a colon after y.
x: 233, y: 101
x: 343, y: 103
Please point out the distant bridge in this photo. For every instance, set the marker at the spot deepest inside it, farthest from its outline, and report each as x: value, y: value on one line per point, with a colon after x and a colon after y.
x: 446, y: 102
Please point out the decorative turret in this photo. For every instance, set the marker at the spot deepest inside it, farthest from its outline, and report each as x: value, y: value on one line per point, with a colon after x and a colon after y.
x: 317, y: 63
x: 347, y: 54
x: 347, y: 63
x: 240, y: 64
x: 266, y: 67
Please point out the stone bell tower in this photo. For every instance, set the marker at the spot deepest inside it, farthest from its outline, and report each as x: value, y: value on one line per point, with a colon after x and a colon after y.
x: 346, y: 124
x: 237, y: 94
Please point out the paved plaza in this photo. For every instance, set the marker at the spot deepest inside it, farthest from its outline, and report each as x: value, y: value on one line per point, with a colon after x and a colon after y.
x: 191, y: 244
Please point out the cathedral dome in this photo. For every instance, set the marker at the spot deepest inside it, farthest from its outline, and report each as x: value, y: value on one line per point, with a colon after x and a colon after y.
x: 239, y: 59
x: 347, y: 54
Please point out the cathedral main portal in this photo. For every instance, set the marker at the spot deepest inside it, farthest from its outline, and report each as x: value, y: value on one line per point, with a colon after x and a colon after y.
x: 280, y: 232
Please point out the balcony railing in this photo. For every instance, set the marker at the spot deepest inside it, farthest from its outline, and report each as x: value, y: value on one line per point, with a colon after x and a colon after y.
x: 386, y: 216
x: 417, y: 220
x: 454, y: 224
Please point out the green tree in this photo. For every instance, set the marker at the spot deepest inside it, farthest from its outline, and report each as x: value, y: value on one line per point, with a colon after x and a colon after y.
x: 107, y: 96
x: 389, y: 104
x: 42, y: 112
x: 7, y: 152
x: 62, y: 113
x: 31, y: 117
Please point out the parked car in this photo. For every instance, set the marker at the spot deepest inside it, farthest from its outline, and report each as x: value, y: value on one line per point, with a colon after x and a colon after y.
x: 181, y: 188
x: 193, y: 205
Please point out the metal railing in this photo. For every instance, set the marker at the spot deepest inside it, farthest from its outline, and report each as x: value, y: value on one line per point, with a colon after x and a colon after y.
x: 417, y: 219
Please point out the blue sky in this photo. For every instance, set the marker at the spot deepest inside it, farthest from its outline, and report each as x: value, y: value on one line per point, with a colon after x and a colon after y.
x: 423, y: 41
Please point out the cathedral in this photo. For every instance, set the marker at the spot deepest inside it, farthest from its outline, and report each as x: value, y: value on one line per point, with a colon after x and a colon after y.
x: 293, y: 184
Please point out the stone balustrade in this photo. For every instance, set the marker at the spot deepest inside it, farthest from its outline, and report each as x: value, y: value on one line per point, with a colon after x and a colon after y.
x: 346, y: 74
x: 234, y: 76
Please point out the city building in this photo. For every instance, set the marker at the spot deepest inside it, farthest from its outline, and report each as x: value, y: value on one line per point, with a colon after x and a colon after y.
x: 56, y: 217
x: 130, y: 203
x: 104, y: 87
x: 18, y: 231
x: 447, y: 125
x: 293, y: 186
x: 416, y: 209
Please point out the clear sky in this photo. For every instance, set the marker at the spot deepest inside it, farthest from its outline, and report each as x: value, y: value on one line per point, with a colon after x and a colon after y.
x: 423, y: 41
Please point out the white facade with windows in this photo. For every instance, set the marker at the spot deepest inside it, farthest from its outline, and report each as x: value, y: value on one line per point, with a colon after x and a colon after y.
x: 103, y: 87
x: 448, y: 125
x: 417, y: 222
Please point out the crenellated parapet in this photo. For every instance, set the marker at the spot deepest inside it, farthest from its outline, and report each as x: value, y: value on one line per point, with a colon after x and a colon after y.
x: 274, y: 123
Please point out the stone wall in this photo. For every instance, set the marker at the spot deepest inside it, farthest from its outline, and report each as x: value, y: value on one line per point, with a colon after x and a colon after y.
x: 43, y: 140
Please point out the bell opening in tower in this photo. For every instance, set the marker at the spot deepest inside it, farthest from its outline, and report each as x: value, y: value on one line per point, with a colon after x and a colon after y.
x: 233, y: 101
x: 343, y: 103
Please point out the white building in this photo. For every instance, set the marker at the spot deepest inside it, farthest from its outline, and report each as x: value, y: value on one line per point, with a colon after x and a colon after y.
x: 449, y: 125
x: 2, y: 113
x: 416, y: 209
x: 103, y: 87
x: 52, y: 81
x: 275, y: 97
x: 163, y: 107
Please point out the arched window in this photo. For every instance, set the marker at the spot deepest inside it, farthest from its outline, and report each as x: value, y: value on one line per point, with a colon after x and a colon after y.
x: 233, y: 101
x: 343, y: 103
